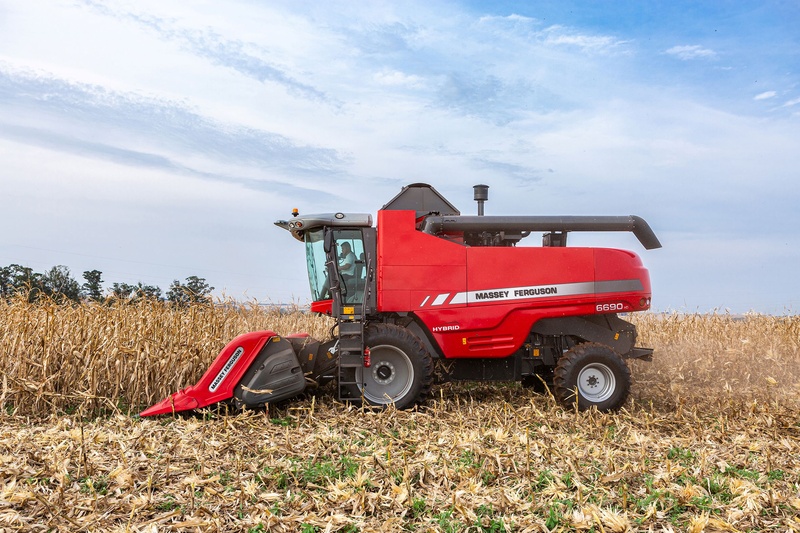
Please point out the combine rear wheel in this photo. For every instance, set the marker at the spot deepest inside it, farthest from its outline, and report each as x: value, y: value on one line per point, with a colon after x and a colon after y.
x: 598, y: 375
x: 400, y: 371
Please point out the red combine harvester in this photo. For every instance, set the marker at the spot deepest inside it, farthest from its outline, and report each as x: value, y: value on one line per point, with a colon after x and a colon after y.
x: 431, y: 294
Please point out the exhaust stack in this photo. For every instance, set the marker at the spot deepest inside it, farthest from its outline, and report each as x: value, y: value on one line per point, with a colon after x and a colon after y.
x: 481, y: 195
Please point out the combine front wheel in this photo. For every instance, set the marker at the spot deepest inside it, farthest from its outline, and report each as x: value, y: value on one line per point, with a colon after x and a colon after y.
x: 400, y: 371
x: 596, y: 373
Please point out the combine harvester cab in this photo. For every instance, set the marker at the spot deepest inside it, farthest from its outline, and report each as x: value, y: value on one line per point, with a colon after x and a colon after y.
x: 431, y: 293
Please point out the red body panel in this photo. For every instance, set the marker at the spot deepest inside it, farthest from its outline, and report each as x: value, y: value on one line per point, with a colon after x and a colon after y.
x: 220, y: 379
x: 483, y: 301
x: 323, y: 307
x: 413, y: 265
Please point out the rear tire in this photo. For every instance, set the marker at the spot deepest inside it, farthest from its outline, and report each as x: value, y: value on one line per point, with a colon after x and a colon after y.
x: 598, y: 375
x: 400, y: 371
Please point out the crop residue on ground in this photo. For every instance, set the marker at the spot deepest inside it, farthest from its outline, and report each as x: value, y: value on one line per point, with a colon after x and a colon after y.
x: 709, y: 440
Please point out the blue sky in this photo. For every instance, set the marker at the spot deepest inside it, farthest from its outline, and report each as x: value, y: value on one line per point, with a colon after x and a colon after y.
x: 158, y: 140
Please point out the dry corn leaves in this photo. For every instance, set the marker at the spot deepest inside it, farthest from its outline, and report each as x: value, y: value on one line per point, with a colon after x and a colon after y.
x: 709, y: 442
x: 481, y: 458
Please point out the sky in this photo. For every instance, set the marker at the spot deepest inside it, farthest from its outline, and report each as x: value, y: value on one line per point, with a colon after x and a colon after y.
x: 158, y: 140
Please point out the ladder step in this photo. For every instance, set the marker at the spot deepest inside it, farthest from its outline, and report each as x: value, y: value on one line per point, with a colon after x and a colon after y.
x: 351, y: 356
x: 351, y: 359
x: 350, y: 345
x: 351, y: 328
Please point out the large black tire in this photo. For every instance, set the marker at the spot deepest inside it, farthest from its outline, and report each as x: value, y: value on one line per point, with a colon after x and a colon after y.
x: 598, y: 375
x: 400, y: 371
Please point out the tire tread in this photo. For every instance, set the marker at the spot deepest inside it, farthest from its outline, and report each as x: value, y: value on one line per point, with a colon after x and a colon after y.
x: 569, y: 365
x: 406, y: 340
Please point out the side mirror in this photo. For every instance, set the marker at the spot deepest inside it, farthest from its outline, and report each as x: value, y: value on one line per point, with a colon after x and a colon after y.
x: 327, y: 242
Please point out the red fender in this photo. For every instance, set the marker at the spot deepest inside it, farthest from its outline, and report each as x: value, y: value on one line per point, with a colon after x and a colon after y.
x: 220, y: 379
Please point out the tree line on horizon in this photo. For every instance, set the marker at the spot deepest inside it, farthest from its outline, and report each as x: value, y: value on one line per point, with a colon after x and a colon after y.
x: 58, y: 284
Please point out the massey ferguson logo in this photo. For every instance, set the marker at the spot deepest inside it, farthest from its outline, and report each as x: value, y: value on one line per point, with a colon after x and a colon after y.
x: 539, y: 291
x: 491, y: 295
x: 225, y: 369
x: 535, y: 291
x: 518, y: 293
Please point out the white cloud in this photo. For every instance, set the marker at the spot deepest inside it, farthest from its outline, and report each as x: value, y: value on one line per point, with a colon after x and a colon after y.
x: 765, y: 95
x: 791, y: 103
x: 558, y: 35
x: 512, y: 19
x: 397, y: 78
x: 688, y: 52
x: 529, y: 31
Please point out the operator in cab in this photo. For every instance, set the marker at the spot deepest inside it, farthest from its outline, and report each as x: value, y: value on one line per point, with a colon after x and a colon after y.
x: 347, y: 261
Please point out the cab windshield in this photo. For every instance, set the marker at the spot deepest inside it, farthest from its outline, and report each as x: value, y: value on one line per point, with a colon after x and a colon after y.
x: 349, y: 246
x: 315, y: 260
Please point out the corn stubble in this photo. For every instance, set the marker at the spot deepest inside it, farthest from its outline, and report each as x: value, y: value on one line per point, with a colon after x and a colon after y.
x: 710, y: 440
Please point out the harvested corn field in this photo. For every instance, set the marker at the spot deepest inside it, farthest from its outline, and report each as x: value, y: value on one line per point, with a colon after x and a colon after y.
x: 483, y: 460
x: 709, y: 440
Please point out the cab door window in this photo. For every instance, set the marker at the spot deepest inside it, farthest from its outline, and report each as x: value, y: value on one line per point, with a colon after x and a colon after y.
x: 350, y: 259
